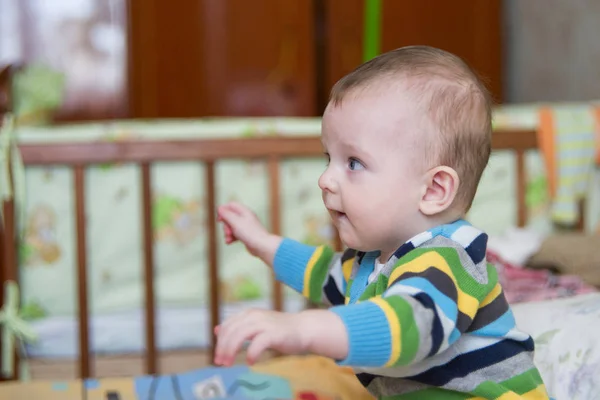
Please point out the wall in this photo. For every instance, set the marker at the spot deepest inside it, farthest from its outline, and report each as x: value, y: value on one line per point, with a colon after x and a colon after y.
x: 552, y: 50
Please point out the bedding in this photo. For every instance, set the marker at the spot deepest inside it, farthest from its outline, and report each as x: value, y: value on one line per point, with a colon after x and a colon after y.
x: 112, y: 192
x: 566, y: 335
x: 521, y: 284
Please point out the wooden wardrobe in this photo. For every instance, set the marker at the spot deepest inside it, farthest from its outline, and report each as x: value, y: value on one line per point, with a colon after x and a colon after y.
x: 194, y: 58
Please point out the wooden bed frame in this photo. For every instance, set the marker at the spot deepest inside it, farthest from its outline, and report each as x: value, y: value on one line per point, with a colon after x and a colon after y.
x: 78, y: 156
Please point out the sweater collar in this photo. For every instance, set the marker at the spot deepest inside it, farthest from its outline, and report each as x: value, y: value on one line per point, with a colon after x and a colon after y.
x: 461, y: 232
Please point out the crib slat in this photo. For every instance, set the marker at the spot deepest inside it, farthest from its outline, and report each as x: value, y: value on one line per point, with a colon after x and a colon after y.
x: 521, y: 188
x: 150, y: 309
x: 80, y: 223
x: 275, y: 207
x: 9, y: 270
x: 213, y: 271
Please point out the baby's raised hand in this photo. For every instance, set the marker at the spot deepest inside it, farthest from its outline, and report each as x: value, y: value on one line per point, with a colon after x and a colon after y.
x: 240, y: 223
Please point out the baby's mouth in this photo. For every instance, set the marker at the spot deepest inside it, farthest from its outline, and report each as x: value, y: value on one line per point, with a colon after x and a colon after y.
x: 339, y: 215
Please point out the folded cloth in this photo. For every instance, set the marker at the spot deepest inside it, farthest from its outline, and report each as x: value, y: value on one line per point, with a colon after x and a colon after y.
x: 515, y: 245
x: 522, y: 284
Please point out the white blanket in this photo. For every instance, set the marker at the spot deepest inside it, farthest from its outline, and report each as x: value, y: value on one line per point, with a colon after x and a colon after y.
x: 566, y: 335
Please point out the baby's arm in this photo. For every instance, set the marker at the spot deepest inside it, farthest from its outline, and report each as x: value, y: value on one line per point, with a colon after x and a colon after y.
x: 318, y: 273
x: 430, y: 301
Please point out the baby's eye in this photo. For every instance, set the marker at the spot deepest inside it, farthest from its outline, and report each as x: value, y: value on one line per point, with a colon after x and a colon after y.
x: 327, y: 157
x: 354, y: 164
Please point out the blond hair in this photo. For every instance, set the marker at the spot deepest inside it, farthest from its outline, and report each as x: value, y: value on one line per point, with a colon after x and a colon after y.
x: 456, y: 102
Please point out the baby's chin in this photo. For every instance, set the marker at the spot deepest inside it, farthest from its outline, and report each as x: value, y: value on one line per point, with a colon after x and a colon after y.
x: 355, y: 243
x: 348, y: 236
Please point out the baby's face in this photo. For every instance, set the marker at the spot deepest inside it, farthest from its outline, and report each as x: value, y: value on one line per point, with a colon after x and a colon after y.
x: 374, y: 178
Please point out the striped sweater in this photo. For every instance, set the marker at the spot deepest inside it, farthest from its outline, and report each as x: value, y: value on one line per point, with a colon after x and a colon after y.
x: 434, y: 324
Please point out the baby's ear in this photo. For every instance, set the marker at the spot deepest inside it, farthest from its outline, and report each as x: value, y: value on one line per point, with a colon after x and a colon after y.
x: 441, y: 186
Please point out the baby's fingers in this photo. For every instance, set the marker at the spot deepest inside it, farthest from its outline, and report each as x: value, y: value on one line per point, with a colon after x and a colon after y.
x: 227, y: 229
x: 259, y: 345
x: 226, y: 214
x: 238, y: 208
x: 230, y: 211
x: 229, y: 344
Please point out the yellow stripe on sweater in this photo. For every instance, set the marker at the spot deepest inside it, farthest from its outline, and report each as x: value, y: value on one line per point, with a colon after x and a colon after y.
x: 309, y: 268
x: 491, y: 296
x: 347, y: 268
x: 395, y: 332
x: 539, y: 393
x: 509, y: 396
x: 347, y: 272
x: 466, y: 303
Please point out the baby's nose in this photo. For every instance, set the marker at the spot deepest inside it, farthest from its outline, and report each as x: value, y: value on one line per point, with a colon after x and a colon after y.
x: 326, y: 182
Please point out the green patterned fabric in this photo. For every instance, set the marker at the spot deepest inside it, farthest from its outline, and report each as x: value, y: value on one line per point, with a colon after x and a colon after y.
x: 37, y: 91
x: 10, y: 158
x: 15, y: 330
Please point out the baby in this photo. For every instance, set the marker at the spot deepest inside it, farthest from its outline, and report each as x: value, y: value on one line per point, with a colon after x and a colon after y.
x: 414, y: 306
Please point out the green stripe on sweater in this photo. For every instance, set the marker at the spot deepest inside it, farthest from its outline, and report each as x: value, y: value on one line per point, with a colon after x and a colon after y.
x: 520, y: 384
x: 378, y: 286
x: 409, y: 336
x: 318, y: 275
x: 430, y: 394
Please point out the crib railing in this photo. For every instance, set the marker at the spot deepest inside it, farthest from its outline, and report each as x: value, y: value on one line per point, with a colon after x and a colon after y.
x: 78, y: 156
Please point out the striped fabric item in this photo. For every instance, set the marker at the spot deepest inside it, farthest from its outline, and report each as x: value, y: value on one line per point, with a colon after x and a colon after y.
x: 569, y: 138
x: 435, y: 323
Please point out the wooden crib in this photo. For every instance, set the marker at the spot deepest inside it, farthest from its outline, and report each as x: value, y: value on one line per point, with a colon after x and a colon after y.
x: 78, y: 156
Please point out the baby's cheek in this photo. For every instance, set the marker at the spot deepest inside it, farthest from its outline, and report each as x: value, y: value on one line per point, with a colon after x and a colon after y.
x: 369, y: 225
x: 383, y: 223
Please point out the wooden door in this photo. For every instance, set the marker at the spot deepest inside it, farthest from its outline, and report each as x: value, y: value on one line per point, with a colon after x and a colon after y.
x: 166, y: 59
x: 221, y: 58
x: 259, y: 57
x: 469, y: 28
